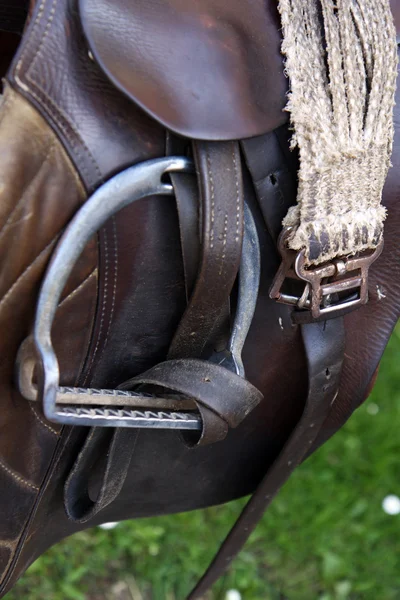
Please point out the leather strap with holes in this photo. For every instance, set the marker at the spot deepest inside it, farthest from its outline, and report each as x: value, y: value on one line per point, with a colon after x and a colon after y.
x: 324, y: 347
x: 221, y: 204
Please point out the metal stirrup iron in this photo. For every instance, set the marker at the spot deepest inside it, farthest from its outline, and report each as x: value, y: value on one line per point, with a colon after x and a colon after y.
x: 123, y: 408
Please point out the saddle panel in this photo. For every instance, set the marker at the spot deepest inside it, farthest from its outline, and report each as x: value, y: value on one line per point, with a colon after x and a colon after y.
x: 34, y: 167
x: 208, y: 69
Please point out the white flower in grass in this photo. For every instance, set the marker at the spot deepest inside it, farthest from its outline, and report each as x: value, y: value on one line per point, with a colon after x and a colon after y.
x: 391, y: 505
x: 233, y: 595
x: 108, y: 525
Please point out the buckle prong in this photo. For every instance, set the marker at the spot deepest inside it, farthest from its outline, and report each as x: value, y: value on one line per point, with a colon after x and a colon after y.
x: 325, y: 284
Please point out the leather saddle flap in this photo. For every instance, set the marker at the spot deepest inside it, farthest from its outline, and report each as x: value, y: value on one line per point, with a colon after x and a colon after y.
x: 205, y: 69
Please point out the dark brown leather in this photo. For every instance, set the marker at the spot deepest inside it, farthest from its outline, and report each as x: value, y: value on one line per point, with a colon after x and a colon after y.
x: 224, y: 56
x: 186, y: 196
x: 223, y: 398
x: 324, y: 345
x: 116, y: 448
x: 273, y: 171
x: 33, y: 167
x: 221, y: 203
x: 82, y: 108
x: 140, y: 296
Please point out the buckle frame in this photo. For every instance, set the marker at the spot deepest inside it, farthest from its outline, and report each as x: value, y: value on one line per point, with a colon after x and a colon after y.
x: 323, y: 282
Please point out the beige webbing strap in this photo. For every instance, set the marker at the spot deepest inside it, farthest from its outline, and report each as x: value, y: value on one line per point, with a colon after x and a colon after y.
x: 341, y: 58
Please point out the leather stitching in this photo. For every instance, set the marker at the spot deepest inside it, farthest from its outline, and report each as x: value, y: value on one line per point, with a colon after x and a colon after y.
x: 212, y: 188
x: 43, y: 423
x: 55, y: 460
x: 31, y: 37
x: 225, y: 235
x: 78, y: 288
x: 74, y: 147
x: 114, y: 285
x: 103, y: 309
x: 26, y: 271
x: 45, y: 33
x: 17, y: 477
x: 237, y: 196
x: 237, y: 237
x: 42, y: 97
x: 79, y: 148
x: 9, y: 222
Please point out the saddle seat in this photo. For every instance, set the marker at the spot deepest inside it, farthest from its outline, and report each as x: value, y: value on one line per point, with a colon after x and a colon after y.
x: 220, y: 79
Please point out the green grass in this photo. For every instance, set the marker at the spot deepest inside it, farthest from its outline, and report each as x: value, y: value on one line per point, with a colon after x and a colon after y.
x: 325, y: 537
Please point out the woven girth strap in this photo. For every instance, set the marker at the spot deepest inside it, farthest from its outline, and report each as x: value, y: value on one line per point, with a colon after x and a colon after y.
x: 341, y: 59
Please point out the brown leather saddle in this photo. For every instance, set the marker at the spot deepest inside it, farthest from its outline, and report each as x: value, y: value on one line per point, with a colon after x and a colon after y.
x: 144, y: 368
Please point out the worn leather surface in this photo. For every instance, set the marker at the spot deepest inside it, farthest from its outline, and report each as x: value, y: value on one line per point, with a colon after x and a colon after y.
x: 221, y: 199
x: 33, y: 170
x: 324, y: 345
x: 186, y: 196
x: 82, y: 107
x: 223, y: 398
x: 223, y: 56
x: 141, y: 298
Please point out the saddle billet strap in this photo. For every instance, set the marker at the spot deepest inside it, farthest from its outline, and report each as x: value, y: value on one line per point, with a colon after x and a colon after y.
x: 273, y: 172
x: 218, y: 167
x: 324, y: 347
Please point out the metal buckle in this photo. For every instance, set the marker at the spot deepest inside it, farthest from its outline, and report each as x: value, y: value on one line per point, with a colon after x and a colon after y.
x: 326, y: 285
